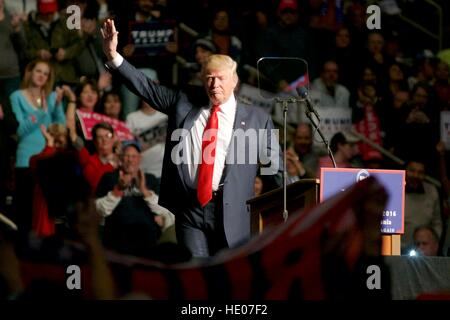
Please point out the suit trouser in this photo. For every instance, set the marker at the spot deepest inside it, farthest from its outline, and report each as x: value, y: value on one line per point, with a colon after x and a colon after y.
x: 201, y: 229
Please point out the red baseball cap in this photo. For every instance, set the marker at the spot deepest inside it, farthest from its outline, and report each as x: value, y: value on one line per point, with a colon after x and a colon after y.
x: 47, y: 6
x: 287, y: 4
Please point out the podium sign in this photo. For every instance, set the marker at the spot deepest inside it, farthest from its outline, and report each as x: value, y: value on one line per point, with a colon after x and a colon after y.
x: 336, y: 180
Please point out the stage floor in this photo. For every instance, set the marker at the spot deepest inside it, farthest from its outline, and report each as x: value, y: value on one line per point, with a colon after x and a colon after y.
x: 412, y: 276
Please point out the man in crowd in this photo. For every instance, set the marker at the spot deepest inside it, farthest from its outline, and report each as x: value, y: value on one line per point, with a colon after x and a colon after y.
x: 48, y: 38
x: 343, y: 147
x: 303, y: 157
x: 326, y: 91
x: 104, y: 160
x: 125, y: 198
x: 426, y: 241
x: 422, y: 207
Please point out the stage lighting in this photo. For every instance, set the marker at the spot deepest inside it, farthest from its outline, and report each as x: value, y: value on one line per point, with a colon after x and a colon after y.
x: 413, y: 253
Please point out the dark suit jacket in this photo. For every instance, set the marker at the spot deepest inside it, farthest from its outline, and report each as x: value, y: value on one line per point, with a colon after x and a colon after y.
x: 238, y: 179
x: 8, y: 128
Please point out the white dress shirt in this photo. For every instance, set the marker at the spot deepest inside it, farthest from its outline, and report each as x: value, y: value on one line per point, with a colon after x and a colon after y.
x: 192, y: 144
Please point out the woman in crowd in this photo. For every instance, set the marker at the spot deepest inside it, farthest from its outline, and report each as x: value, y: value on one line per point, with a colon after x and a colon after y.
x: 396, y: 82
x: 345, y: 56
x: 111, y: 105
x: 98, y: 155
x: 88, y: 95
x: 258, y: 187
x: 35, y: 104
x: 222, y: 36
x: 86, y: 98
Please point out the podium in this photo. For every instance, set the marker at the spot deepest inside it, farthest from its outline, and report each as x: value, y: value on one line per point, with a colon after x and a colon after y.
x: 392, y: 224
x: 267, y: 208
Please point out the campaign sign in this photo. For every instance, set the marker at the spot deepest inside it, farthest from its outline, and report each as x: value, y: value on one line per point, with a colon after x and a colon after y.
x: 151, y: 38
x: 334, y: 180
x: 153, y: 136
x: 89, y: 119
x: 256, y: 97
x: 333, y: 120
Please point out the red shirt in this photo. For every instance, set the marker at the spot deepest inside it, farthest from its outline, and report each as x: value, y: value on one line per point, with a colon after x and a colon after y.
x: 93, y: 168
x: 325, y: 162
x: 42, y: 224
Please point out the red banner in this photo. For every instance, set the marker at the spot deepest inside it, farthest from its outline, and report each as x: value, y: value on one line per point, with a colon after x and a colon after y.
x: 316, y: 254
x: 89, y: 119
x: 369, y: 126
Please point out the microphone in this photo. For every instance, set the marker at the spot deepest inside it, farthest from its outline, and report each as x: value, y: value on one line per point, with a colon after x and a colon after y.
x: 303, y: 93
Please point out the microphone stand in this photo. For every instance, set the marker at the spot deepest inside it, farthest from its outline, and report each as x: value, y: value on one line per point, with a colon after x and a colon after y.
x: 284, y: 103
x: 316, y: 127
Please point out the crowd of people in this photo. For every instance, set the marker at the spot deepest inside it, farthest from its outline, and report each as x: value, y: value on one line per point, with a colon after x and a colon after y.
x: 50, y: 74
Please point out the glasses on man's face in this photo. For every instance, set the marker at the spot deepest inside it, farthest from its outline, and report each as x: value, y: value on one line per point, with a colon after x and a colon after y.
x: 104, y: 137
x: 130, y: 156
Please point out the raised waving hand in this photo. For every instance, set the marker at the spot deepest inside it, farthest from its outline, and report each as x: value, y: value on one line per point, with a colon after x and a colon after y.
x: 109, y: 36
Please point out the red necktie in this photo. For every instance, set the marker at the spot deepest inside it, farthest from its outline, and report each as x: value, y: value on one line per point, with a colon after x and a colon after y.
x: 206, y: 167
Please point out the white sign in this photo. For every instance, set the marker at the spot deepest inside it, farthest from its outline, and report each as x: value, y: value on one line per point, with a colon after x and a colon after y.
x: 332, y: 120
x: 254, y: 96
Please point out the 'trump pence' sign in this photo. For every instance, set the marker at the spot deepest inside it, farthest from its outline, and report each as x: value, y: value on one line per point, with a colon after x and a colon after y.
x: 151, y: 38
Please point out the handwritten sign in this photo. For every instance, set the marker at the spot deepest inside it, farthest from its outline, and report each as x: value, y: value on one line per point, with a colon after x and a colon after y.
x: 89, y: 119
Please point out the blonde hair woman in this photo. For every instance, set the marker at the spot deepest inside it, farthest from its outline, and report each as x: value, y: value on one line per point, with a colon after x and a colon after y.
x: 34, y: 104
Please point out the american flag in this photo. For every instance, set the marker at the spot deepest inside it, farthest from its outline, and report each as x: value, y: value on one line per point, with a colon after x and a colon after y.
x: 301, y: 81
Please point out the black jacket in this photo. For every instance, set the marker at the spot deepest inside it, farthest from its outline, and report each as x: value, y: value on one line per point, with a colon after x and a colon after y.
x: 8, y: 143
x: 131, y: 228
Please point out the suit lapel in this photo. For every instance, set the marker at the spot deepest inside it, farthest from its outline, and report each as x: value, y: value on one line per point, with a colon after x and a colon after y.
x: 187, y: 125
x: 240, y: 122
x: 190, y: 118
x: 241, y: 117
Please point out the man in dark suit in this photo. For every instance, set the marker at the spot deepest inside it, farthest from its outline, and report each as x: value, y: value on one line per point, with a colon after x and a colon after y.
x: 207, y: 176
